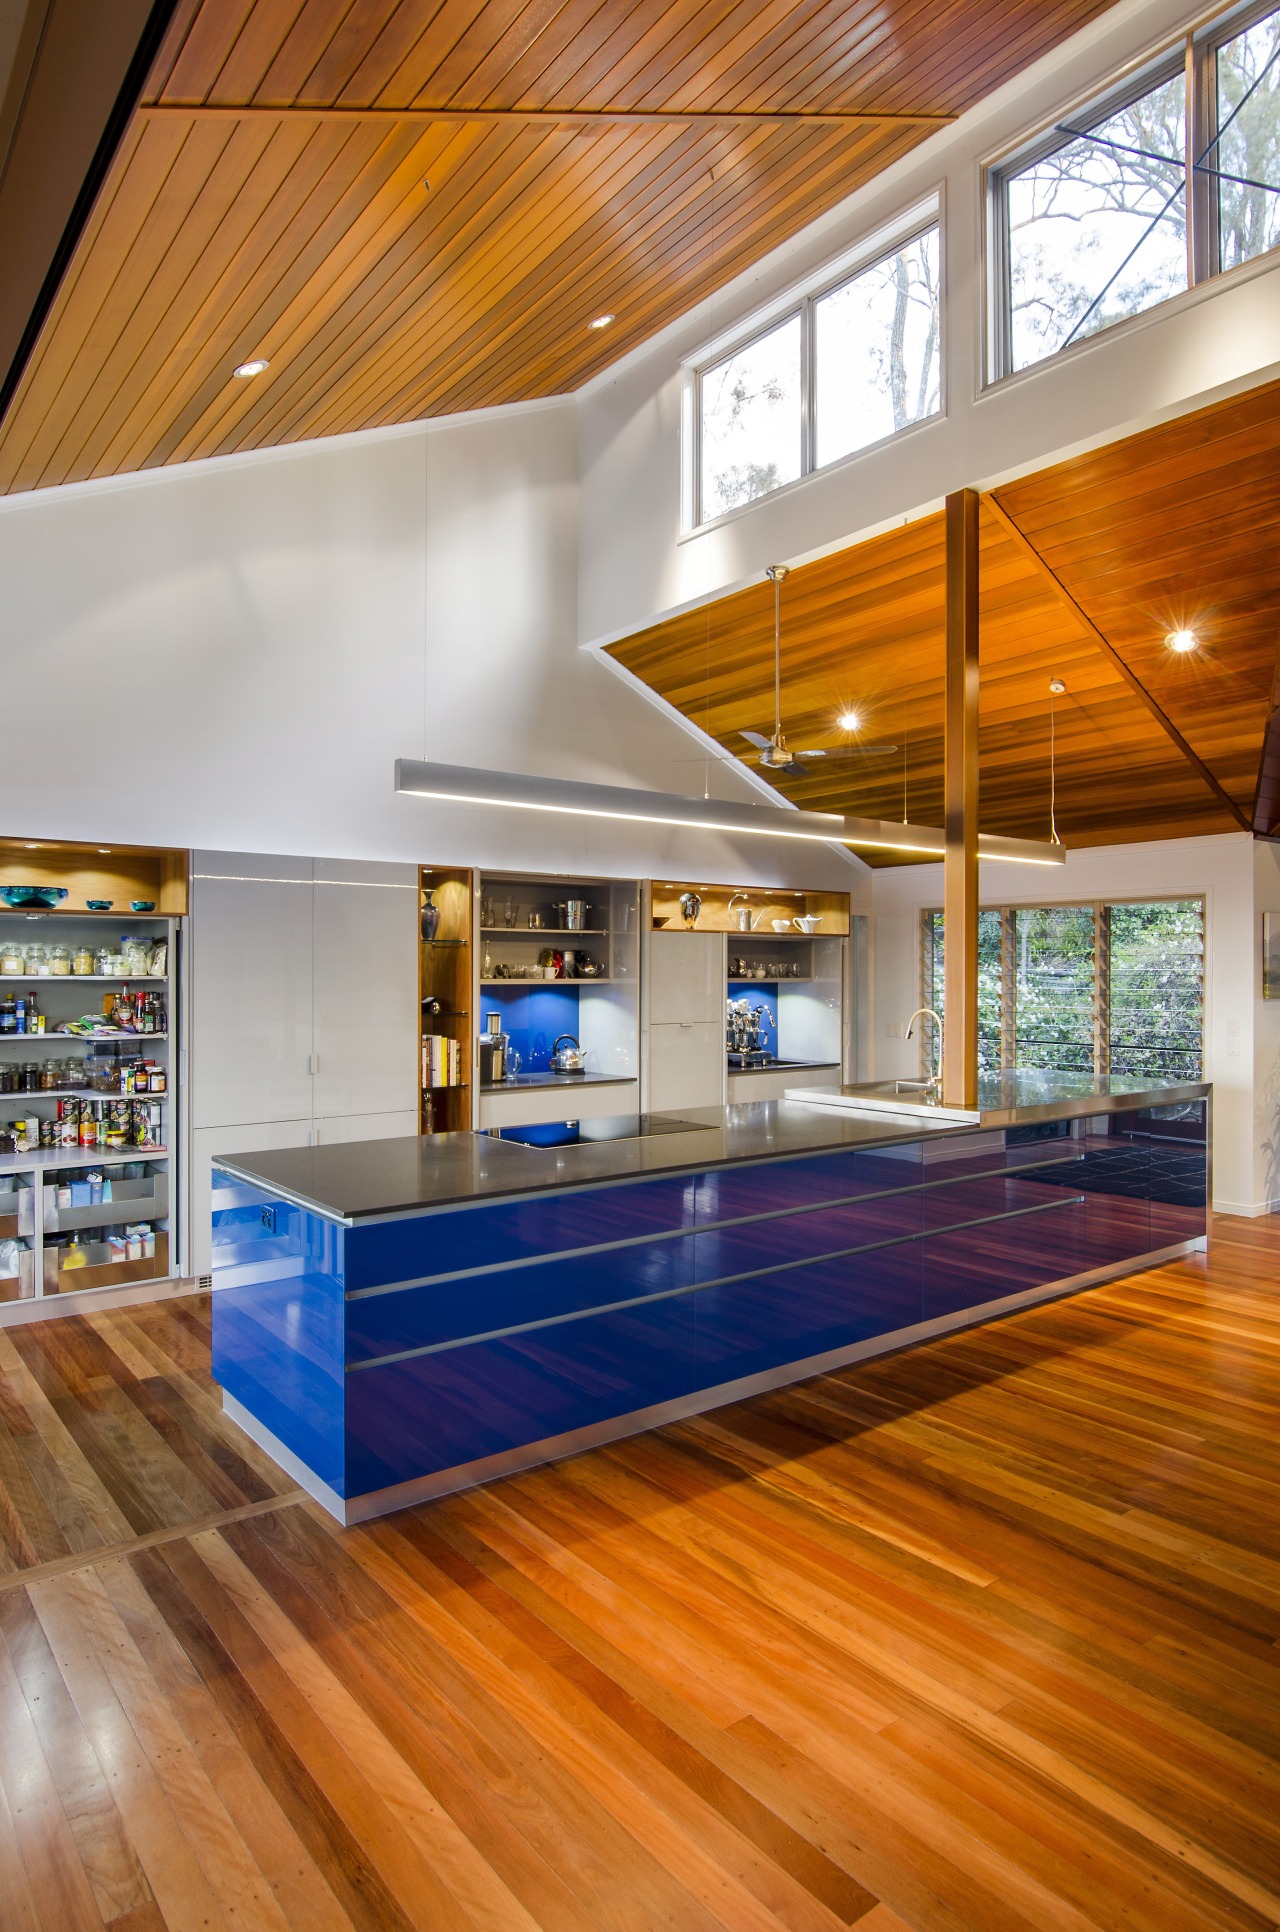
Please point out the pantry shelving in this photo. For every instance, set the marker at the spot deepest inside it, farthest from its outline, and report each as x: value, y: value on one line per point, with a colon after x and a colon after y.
x: 88, y: 1173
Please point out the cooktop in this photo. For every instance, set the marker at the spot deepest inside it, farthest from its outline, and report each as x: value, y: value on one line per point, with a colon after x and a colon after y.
x: 578, y: 1133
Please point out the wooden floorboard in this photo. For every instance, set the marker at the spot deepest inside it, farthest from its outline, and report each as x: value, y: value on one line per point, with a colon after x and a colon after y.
x: 983, y: 1637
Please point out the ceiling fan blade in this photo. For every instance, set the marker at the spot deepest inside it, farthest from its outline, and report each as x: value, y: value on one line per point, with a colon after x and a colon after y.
x: 851, y: 751
x: 756, y: 739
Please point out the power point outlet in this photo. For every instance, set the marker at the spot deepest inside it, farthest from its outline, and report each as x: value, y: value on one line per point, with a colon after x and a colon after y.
x: 269, y: 1219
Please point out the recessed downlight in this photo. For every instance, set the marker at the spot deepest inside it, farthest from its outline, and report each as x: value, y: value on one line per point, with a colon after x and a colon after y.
x: 849, y: 721
x: 30, y: 845
x: 253, y: 368
x: 601, y: 321
x: 105, y: 850
x: 1182, y: 642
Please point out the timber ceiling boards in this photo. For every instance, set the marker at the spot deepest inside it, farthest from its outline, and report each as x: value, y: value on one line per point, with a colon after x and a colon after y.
x: 307, y: 237
x: 1177, y: 526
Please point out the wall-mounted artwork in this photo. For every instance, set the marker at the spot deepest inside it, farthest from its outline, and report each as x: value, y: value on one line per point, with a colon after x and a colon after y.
x: 1271, y: 955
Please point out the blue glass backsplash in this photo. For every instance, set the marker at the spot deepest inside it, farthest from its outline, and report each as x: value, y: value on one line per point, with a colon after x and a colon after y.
x: 760, y: 992
x: 532, y: 1016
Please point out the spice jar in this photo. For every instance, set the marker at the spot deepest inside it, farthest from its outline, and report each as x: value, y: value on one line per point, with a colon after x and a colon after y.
x: 50, y: 1076
x: 12, y: 958
x: 60, y: 961
x: 82, y: 960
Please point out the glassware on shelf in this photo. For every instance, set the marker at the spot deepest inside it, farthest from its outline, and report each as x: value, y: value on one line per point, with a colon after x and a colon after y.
x: 60, y: 961
x: 82, y: 961
x: 12, y: 958
x: 510, y: 913
x: 37, y: 960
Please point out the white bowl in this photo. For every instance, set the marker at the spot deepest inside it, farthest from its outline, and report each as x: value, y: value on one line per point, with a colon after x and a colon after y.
x: 782, y: 925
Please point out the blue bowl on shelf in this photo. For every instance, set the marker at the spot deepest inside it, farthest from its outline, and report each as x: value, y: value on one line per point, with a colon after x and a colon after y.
x: 142, y: 905
x: 33, y: 898
x: 99, y: 905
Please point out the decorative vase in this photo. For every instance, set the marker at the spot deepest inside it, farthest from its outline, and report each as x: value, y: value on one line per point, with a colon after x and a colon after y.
x: 690, y: 907
x: 430, y: 915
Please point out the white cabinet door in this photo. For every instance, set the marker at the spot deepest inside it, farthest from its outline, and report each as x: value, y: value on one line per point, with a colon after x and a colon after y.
x: 686, y: 1065
x: 251, y: 1014
x: 251, y: 1138
x: 366, y: 997
x: 390, y: 1126
x: 686, y: 977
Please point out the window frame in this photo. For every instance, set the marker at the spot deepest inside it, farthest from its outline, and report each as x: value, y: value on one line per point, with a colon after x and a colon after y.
x: 1193, y: 52
x: 920, y: 219
x: 1101, y: 973
x: 1205, y: 44
x: 1089, y: 113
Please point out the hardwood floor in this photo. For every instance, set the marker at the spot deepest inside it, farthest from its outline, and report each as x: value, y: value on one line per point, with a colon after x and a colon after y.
x: 980, y: 1636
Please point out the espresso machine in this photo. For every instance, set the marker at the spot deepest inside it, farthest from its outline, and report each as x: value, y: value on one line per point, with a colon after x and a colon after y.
x: 492, y: 1051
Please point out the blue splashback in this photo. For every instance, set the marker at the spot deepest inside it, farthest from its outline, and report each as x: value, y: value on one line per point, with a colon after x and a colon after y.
x: 533, y: 1016
x: 760, y: 992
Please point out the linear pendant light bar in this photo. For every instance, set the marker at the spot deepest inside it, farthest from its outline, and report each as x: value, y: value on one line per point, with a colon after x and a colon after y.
x: 521, y: 791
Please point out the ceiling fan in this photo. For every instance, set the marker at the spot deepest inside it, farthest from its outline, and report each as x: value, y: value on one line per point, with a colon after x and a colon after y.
x: 774, y: 753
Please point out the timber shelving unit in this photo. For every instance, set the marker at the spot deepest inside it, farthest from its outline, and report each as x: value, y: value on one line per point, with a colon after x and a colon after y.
x: 446, y: 972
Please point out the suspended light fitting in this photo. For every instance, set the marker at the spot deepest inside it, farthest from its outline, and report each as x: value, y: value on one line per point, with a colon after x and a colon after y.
x: 522, y: 791
x: 849, y: 721
x: 1182, y: 641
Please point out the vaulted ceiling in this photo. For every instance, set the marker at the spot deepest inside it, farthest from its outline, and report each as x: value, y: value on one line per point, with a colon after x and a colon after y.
x: 1085, y: 568
x: 267, y: 199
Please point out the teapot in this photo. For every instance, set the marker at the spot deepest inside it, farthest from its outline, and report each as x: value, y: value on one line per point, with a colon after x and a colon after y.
x: 567, y: 1056
x: 806, y: 922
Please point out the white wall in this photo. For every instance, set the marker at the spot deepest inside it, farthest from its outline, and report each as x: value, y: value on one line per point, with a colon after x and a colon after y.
x: 1226, y: 334
x: 231, y: 654
x: 1222, y: 870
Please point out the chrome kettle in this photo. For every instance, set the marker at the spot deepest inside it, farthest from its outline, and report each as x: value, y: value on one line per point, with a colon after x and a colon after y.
x: 744, y: 919
x: 567, y: 1056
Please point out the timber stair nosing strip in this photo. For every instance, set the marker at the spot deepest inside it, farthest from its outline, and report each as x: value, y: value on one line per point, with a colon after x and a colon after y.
x: 148, y: 1540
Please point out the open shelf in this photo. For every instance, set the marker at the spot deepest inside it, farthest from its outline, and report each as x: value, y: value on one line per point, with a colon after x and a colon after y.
x: 544, y: 932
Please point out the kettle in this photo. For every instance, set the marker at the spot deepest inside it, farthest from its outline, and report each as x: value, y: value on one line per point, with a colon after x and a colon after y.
x: 744, y: 919
x: 567, y: 1056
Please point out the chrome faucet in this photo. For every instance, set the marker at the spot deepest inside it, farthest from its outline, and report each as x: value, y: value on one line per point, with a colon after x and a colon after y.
x: 927, y: 1012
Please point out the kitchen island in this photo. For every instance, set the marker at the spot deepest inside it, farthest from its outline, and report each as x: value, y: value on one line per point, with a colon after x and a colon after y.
x: 396, y: 1319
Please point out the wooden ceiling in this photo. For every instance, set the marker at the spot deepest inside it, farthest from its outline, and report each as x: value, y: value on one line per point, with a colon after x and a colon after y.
x: 1085, y: 567
x: 268, y: 199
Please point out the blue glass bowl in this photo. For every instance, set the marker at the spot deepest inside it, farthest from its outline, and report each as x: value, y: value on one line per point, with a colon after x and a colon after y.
x: 33, y: 898
x: 99, y: 905
x: 142, y: 905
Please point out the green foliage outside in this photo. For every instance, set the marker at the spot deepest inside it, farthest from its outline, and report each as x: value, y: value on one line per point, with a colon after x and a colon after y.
x: 1155, y: 987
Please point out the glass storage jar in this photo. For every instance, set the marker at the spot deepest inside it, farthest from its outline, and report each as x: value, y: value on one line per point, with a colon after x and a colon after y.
x: 30, y: 1076
x: 37, y: 959
x: 82, y: 960
x: 60, y: 961
x: 51, y: 1076
x: 12, y: 958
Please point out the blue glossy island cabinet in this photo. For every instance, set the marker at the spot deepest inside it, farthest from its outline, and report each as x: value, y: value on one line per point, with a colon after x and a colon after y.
x: 395, y: 1319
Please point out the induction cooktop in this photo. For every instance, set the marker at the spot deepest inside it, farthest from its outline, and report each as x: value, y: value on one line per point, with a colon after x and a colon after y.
x: 580, y: 1133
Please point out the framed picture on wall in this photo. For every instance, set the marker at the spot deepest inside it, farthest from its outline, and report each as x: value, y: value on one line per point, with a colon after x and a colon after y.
x: 1271, y: 955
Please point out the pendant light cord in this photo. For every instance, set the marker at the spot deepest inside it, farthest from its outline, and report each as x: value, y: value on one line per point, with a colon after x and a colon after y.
x: 777, y: 655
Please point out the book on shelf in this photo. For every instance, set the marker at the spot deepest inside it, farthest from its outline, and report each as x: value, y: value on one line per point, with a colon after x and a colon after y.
x: 441, y: 1061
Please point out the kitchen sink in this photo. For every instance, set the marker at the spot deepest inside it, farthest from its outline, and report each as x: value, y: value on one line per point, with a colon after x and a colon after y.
x: 918, y: 1099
